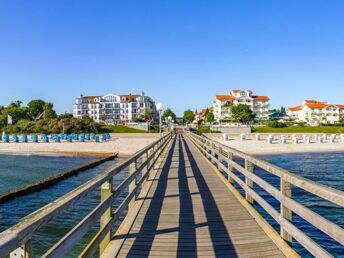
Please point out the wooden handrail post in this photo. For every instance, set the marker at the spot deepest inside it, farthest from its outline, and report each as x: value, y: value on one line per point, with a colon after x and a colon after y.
x: 286, y: 213
x: 105, y: 192
x: 25, y: 251
x: 249, y: 167
x: 219, y: 157
x: 132, y: 185
x: 230, y: 168
x: 213, y: 151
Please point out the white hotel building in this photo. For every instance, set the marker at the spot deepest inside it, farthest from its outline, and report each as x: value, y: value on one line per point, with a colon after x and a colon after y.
x: 223, y: 104
x: 315, y: 112
x: 114, y: 109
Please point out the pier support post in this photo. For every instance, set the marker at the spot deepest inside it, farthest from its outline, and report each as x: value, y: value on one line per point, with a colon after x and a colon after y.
x: 286, y: 213
x: 249, y: 167
x: 230, y: 168
x: 25, y: 251
x: 105, y: 192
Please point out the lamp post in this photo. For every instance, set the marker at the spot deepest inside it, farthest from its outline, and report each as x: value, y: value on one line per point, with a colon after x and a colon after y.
x: 159, y: 108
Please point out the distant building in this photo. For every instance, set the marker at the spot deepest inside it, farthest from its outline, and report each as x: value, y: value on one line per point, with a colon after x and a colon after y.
x: 315, y: 112
x: 114, y: 109
x: 200, y: 116
x: 222, y: 105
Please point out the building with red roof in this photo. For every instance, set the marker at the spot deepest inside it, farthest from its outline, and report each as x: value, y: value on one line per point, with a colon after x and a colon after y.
x: 315, y: 112
x: 114, y: 109
x: 222, y: 104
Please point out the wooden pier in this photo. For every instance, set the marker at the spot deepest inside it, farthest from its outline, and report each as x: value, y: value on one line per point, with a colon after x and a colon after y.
x: 188, y: 212
x: 183, y: 201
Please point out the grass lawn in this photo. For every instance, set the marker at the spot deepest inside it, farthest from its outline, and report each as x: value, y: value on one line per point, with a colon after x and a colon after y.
x: 119, y: 129
x: 299, y: 129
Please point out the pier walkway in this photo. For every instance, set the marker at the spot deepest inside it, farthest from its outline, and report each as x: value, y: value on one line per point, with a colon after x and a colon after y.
x: 189, y: 211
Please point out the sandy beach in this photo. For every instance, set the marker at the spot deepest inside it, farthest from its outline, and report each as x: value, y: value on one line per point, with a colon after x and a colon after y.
x: 251, y: 146
x: 123, y: 144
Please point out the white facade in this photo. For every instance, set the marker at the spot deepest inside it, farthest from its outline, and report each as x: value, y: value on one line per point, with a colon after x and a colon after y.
x: 112, y: 108
x: 222, y: 104
x: 314, y: 112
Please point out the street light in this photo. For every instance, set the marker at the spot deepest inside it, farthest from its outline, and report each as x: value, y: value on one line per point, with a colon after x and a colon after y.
x: 160, y: 107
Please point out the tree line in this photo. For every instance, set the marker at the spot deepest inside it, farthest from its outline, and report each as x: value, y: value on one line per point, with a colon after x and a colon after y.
x: 39, y: 116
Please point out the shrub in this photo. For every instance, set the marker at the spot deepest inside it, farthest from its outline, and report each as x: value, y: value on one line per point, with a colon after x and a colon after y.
x: 276, y: 124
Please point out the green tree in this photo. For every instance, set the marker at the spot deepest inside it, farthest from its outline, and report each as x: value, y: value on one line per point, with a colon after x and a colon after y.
x: 209, y: 117
x: 15, y: 110
x: 48, y: 111
x: 168, y: 112
x: 188, y: 116
x: 341, y: 119
x: 147, y: 114
x: 35, y: 109
x: 283, y: 110
x: 242, y: 113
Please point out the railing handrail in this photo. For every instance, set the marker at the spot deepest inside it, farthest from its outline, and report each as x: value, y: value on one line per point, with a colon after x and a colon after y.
x: 330, y: 194
x: 210, y: 148
x: 21, y: 233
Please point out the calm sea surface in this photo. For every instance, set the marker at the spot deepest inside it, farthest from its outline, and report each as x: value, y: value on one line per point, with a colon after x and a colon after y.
x: 326, y: 168
x: 20, y: 170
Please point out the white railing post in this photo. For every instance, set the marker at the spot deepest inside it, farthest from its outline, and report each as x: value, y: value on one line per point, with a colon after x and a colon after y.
x: 105, y: 192
x: 249, y: 167
x: 25, y: 251
x: 286, y: 213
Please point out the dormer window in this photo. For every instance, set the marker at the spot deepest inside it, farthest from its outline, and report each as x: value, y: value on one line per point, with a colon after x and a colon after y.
x: 242, y: 94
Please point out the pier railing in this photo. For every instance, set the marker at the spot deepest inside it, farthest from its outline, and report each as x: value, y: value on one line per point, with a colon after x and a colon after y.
x: 223, y: 157
x: 16, y: 241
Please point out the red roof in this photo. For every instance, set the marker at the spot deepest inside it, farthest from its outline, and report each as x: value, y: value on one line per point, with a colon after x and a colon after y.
x: 265, y: 98
x: 341, y: 106
x: 297, y: 108
x: 314, y: 102
x: 317, y: 105
x: 225, y: 97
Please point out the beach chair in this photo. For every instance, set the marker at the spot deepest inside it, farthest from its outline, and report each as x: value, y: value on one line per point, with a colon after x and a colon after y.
x: 93, y: 136
x: 87, y: 137
x: 6, y: 138
x: 24, y: 138
x: 96, y: 138
x: 15, y: 138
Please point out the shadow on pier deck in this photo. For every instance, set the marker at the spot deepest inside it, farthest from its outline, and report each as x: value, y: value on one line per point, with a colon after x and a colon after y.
x: 187, y: 210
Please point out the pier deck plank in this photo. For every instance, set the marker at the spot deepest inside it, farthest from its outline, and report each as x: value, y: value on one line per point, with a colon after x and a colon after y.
x: 188, y: 211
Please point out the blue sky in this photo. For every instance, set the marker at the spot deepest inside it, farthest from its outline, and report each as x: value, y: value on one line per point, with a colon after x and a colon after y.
x: 179, y: 52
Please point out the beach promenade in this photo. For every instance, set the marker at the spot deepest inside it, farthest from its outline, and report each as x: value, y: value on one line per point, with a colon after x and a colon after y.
x: 251, y: 146
x: 123, y: 144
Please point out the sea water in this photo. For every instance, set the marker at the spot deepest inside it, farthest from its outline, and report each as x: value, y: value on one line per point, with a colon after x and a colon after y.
x: 325, y: 168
